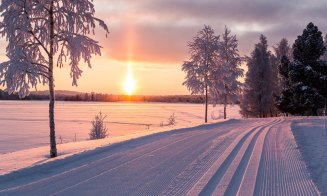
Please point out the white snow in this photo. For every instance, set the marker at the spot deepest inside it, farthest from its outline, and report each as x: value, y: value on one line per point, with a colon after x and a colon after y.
x: 25, y: 124
x: 17, y: 160
x: 311, y: 137
x: 252, y: 156
x: 24, y: 137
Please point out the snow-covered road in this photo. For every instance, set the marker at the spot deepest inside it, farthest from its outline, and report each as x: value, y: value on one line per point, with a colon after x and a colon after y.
x: 236, y: 157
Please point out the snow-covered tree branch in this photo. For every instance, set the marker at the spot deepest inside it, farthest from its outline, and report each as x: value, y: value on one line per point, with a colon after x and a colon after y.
x: 37, y: 31
x: 25, y: 26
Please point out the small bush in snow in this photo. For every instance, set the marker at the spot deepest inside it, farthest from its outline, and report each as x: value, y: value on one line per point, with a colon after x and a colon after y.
x: 172, y: 120
x: 99, y: 129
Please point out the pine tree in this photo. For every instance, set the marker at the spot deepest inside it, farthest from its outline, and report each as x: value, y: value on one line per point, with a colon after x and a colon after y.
x: 280, y: 64
x: 99, y: 128
x: 325, y: 43
x: 282, y: 53
x: 226, y: 87
x: 284, y: 102
x: 257, y: 99
x: 38, y: 31
x: 283, y: 49
x: 203, y: 51
x: 307, y: 73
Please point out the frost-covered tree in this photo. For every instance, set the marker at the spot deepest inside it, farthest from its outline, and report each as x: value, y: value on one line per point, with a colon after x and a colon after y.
x: 172, y: 120
x: 257, y: 99
x: 226, y: 88
x: 99, y: 129
x: 283, y: 49
x: 42, y: 34
x: 308, y: 73
x: 198, y: 69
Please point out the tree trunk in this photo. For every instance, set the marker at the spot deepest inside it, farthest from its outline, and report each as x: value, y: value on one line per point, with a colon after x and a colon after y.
x: 225, y: 105
x: 206, y: 106
x: 314, y: 112
x: 53, y: 147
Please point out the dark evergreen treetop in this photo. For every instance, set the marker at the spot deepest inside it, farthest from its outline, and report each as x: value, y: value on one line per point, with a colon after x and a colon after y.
x: 308, y: 73
x: 310, y: 45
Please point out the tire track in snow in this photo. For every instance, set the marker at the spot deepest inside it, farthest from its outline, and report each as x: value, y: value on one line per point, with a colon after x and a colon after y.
x: 209, y: 181
x: 189, y: 176
x: 282, y: 170
x: 248, y: 182
x: 231, y: 179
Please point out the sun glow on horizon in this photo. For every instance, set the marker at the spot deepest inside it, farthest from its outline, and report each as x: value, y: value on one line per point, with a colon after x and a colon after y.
x: 129, y: 86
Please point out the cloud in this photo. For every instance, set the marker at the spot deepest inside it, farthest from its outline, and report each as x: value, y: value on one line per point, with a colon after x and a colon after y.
x: 158, y: 30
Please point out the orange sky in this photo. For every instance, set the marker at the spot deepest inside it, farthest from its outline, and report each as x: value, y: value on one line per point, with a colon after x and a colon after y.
x: 148, y: 38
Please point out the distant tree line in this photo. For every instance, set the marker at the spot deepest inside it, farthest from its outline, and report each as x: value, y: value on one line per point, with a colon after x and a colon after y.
x: 100, y: 97
x: 287, y: 80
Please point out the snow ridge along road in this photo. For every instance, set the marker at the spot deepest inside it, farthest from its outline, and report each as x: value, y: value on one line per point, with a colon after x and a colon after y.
x: 236, y: 157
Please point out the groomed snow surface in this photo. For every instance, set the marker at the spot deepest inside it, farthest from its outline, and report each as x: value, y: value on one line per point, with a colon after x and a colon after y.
x: 235, y: 157
x: 311, y: 136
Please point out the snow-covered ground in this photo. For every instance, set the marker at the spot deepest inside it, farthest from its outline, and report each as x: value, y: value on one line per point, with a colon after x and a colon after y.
x: 21, y: 159
x: 311, y: 136
x: 24, y: 124
x: 235, y: 157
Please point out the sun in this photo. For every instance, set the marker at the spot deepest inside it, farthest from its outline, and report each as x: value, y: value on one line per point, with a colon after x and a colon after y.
x: 130, y: 84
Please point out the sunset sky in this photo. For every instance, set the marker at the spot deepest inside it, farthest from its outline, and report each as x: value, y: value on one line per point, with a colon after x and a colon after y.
x: 148, y: 38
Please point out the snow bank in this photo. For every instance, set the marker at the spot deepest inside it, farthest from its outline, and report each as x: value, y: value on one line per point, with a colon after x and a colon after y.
x: 311, y: 137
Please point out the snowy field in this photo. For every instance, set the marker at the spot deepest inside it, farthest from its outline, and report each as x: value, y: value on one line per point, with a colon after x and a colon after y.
x: 311, y: 136
x: 234, y: 157
x: 24, y: 124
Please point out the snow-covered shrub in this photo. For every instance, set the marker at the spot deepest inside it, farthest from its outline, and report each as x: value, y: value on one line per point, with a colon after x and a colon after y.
x: 99, y: 129
x: 172, y: 120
